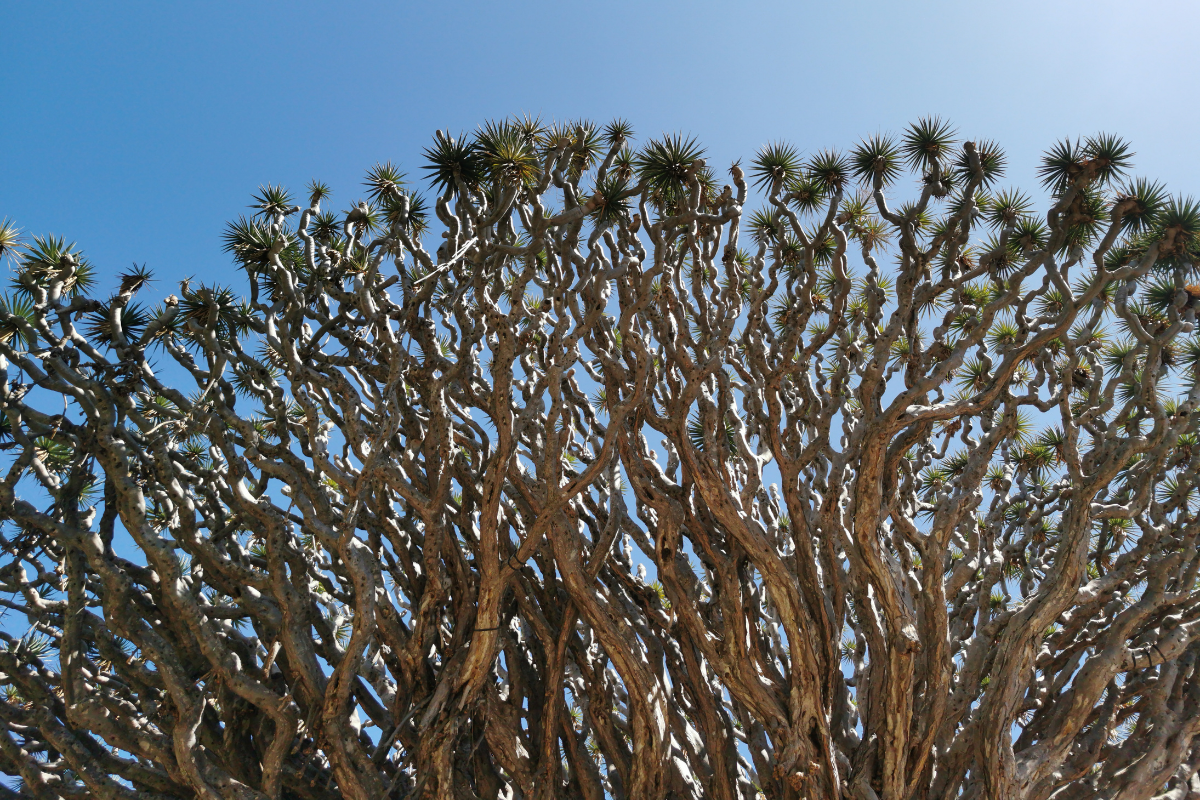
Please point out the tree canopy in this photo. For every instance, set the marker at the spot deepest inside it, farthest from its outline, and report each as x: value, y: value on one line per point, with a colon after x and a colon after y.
x: 856, y: 477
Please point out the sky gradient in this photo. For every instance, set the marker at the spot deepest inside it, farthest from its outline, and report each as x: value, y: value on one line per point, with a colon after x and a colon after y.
x: 138, y: 129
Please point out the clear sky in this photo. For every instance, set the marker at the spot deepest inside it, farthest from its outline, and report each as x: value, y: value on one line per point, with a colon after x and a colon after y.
x: 137, y: 129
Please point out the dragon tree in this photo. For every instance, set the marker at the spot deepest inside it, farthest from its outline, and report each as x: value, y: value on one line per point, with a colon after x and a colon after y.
x: 603, y: 471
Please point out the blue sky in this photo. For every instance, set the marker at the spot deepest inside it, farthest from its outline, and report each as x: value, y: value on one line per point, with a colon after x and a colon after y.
x: 138, y: 129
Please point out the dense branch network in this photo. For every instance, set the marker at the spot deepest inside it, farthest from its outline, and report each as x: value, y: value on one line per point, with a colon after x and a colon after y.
x: 623, y: 491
